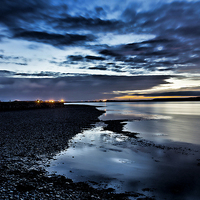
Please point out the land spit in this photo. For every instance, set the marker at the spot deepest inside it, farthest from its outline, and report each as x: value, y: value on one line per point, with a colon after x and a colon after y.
x: 28, y: 105
x: 29, y: 138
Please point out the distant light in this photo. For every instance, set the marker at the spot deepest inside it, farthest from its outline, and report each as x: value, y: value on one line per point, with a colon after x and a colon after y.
x: 51, y: 101
x: 104, y: 100
x: 62, y: 100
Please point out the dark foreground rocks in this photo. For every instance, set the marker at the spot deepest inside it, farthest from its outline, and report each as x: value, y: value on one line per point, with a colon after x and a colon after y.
x: 28, y: 138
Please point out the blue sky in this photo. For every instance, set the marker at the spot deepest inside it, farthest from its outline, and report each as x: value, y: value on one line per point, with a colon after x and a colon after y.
x: 87, y: 50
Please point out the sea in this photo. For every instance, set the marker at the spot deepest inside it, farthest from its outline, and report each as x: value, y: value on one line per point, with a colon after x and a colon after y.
x: 163, y: 162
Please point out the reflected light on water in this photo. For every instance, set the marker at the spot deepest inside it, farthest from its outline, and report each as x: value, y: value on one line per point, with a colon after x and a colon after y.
x: 164, y: 159
x: 96, y: 155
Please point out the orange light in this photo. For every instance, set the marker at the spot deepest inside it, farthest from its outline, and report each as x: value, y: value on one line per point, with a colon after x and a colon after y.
x: 132, y: 97
x: 51, y: 101
x: 62, y: 100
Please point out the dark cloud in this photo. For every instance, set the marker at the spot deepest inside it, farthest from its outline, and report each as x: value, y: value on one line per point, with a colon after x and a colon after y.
x: 192, y: 31
x: 5, y: 83
x: 85, y: 58
x: 94, y: 58
x: 17, y: 14
x: 99, y: 67
x: 154, y: 53
x: 41, y: 74
x: 157, y: 48
x: 185, y: 93
x: 100, y: 11
x: 54, y: 39
x: 129, y: 13
x: 166, y: 69
x: 107, y: 52
x: 75, y: 87
x: 75, y: 58
x: 175, y: 27
x: 163, y: 18
x: 92, y: 24
x: 4, y: 73
x: 40, y: 16
x: 108, y: 67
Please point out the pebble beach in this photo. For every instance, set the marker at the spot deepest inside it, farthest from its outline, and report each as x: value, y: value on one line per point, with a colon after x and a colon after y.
x: 29, y: 138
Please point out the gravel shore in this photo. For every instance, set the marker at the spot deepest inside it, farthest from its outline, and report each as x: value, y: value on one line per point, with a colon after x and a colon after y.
x: 28, y: 139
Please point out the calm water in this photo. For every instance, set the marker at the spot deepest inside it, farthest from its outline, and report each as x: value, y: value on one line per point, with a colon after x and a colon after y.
x: 106, y: 159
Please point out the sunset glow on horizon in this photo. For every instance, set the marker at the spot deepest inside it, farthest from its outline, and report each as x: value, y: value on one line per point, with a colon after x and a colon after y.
x: 148, y: 98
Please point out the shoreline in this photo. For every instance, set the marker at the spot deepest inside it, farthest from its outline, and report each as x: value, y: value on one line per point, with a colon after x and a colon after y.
x: 31, y: 137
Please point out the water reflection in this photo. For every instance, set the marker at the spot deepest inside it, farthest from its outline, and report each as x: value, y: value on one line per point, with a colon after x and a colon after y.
x: 120, y: 162
x: 157, y: 121
x: 179, y: 128
x: 97, y: 155
x: 166, y: 169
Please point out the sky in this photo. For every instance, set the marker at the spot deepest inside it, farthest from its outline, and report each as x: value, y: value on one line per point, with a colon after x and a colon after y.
x: 91, y: 50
